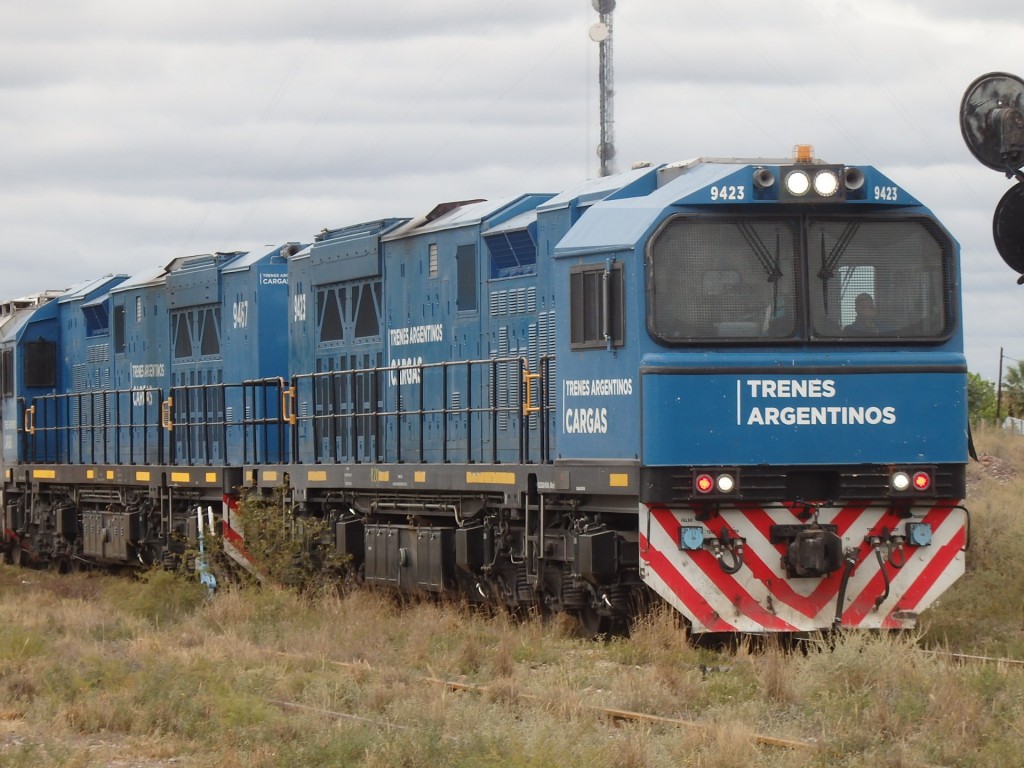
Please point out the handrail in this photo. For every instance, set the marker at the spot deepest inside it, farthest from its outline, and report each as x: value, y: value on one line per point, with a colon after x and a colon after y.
x: 166, y: 420
x: 102, y: 425
x: 528, y: 379
x: 288, y: 404
x: 484, y: 410
x: 490, y: 410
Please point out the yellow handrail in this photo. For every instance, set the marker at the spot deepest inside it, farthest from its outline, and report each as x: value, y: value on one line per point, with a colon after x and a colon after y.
x: 288, y: 405
x: 528, y: 379
x: 166, y: 421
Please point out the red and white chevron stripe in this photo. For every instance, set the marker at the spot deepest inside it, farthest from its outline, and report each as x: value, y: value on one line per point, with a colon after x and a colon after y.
x: 233, y: 537
x: 761, y: 598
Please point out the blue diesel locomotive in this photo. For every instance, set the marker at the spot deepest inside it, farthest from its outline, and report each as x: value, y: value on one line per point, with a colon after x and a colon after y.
x: 735, y: 384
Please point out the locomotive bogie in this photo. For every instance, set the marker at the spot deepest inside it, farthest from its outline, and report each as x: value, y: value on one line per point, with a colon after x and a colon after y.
x: 60, y: 517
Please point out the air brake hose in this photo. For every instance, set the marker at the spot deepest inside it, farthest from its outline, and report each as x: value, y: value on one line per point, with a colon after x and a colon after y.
x: 902, y: 558
x: 881, y: 566
x: 735, y: 548
x: 851, y: 563
x: 737, y: 562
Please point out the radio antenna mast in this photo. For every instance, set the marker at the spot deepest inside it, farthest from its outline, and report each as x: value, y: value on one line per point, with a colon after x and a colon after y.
x: 601, y: 33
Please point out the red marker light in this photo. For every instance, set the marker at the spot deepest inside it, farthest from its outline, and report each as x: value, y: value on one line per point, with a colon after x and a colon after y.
x: 922, y: 481
x: 704, y: 483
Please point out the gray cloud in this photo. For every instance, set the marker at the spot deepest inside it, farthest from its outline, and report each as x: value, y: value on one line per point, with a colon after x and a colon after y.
x: 134, y: 133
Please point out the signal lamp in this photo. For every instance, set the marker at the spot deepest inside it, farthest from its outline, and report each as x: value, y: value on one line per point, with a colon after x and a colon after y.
x: 803, y: 153
x: 726, y: 484
x: 704, y: 483
x: 922, y: 481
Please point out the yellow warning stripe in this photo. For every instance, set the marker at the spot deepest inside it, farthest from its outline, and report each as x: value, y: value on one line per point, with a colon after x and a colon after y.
x: 491, y: 478
x: 618, y: 480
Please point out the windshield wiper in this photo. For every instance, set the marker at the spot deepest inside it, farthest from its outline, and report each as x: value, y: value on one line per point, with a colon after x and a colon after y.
x: 828, y: 263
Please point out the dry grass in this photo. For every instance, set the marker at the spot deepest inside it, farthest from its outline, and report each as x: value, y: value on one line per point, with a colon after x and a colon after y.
x: 984, y: 613
x: 98, y: 671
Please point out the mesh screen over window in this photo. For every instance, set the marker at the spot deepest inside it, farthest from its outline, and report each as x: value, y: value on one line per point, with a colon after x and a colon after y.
x: 796, y: 277
x: 876, y: 279
x: 723, y: 278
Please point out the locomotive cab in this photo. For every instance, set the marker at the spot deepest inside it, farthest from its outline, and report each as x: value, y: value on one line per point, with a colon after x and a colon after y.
x: 778, y: 344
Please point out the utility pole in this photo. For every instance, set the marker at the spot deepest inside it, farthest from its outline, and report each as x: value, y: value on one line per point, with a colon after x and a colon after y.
x: 999, y: 386
x: 601, y: 33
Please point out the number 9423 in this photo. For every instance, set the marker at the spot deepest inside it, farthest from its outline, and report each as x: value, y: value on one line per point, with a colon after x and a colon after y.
x: 728, y: 192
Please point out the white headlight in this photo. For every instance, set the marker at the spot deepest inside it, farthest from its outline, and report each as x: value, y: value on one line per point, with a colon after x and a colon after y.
x: 826, y: 183
x: 726, y: 483
x: 797, y: 183
x: 900, y: 481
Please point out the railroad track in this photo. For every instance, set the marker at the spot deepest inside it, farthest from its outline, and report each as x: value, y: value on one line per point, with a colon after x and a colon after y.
x: 612, y: 714
x: 968, y: 658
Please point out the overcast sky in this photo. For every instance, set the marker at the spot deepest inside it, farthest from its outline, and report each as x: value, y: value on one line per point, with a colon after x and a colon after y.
x: 135, y: 132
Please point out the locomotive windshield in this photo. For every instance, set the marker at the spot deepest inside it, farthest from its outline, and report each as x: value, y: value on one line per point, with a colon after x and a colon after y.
x: 799, y: 277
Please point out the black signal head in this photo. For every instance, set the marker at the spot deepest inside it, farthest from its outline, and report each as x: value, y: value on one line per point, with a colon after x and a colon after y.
x: 992, y: 120
x: 1008, y: 228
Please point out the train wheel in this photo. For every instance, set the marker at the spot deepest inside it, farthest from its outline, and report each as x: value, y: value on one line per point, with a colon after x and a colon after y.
x: 593, y: 623
x: 64, y: 565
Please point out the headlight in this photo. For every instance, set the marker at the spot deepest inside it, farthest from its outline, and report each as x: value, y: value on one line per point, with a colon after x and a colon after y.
x: 826, y: 183
x: 797, y: 183
x: 812, y: 183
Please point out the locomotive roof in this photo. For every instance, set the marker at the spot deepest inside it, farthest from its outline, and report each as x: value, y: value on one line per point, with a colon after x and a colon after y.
x: 461, y: 215
x: 252, y: 258
x: 150, y: 276
x: 521, y: 221
x: 594, y: 190
x: 625, y: 219
x: 82, y: 290
x: 10, y: 325
x: 14, y: 324
x: 14, y: 313
x: 11, y: 306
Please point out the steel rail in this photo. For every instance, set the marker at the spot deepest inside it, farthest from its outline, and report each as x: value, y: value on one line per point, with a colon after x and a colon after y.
x: 612, y: 713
